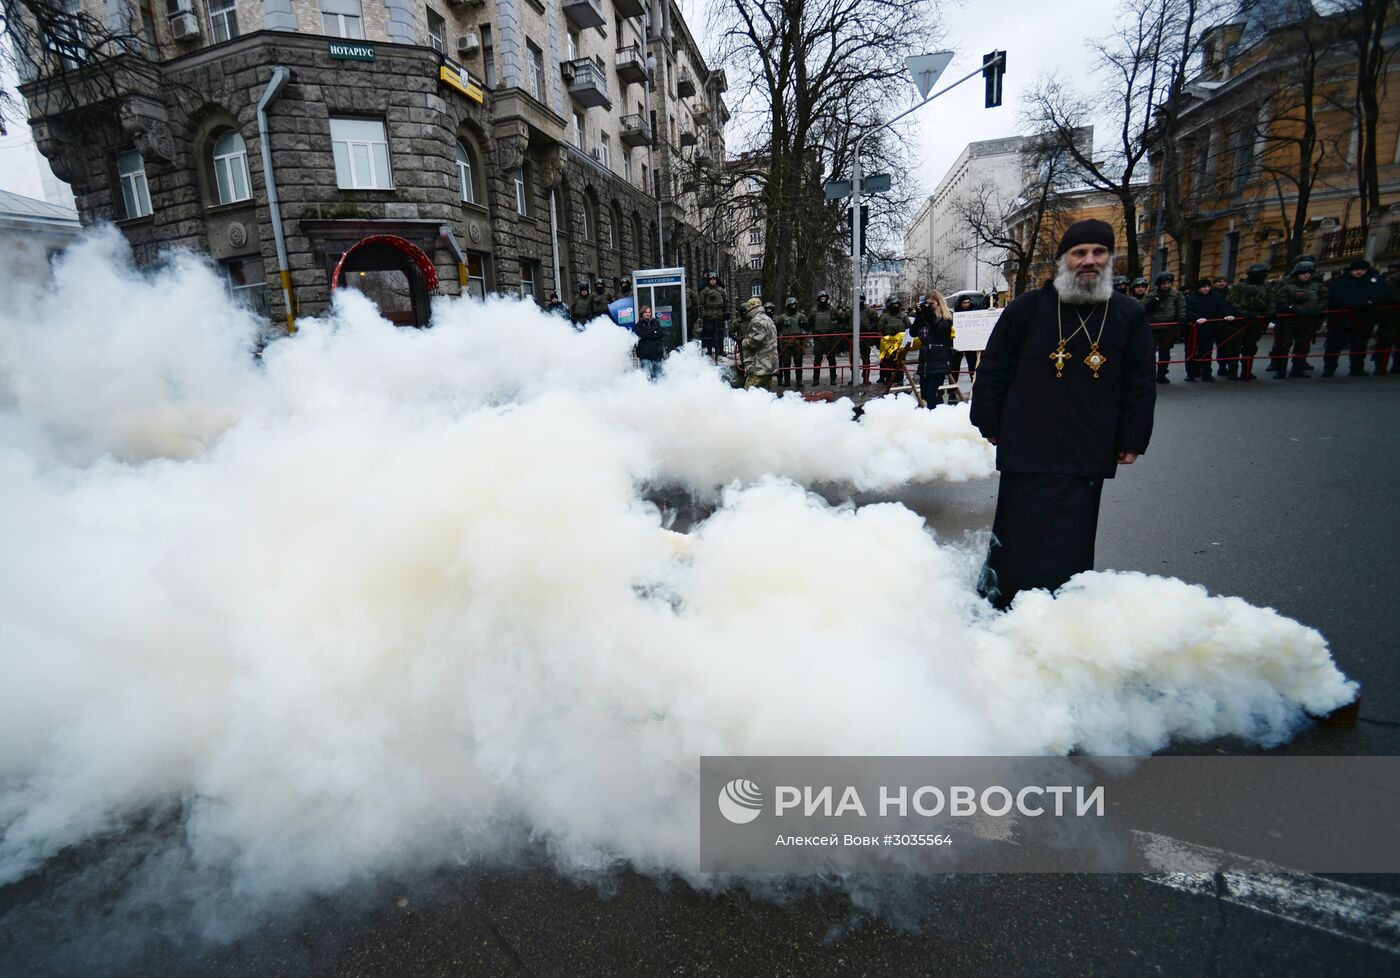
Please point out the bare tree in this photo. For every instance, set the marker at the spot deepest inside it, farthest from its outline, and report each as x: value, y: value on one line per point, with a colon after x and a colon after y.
x: 812, y: 76
x: 1143, y: 63
x: 1295, y: 136
x: 985, y: 213
x: 1364, y: 23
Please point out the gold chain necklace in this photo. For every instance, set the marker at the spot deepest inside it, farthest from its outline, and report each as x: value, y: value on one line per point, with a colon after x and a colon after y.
x: 1094, y: 359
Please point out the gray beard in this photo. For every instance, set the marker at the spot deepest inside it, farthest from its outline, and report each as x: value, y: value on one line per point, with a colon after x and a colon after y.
x: 1077, y: 293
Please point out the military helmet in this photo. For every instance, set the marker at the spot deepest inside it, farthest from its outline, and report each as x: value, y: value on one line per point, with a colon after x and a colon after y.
x: 1165, y: 277
x: 1301, y: 266
x: 583, y: 288
x: 1140, y: 281
x: 1119, y: 280
x: 823, y: 294
x: 769, y: 308
x: 791, y: 302
x: 1256, y: 268
x: 752, y: 306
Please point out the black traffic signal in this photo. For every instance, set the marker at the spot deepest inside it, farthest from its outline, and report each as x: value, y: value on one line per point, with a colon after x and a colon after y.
x: 864, y: 226
x: 993, y: 68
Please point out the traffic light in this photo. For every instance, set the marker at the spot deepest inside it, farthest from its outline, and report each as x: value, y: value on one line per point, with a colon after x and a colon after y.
x: 864, y: 226
x: 993, y: 68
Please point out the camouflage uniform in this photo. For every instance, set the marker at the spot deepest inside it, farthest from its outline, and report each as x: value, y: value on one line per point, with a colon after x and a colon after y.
x: 1253, y: 299
x: 792, y: 327
x: 1166, y: 311
x: 758, y: 346
x: 1299, y: 309
x: 581, y: 311
x: 713, y: 304
x: 823, y: 320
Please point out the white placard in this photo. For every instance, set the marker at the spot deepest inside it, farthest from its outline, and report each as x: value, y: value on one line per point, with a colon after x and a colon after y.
x: 971, y: 330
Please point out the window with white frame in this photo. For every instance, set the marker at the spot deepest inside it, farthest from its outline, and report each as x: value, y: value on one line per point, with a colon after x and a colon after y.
x: 223, y: 20
x: 520, y: 201
x: 756, y: 263
x: 605, y: 150
x: 755, y: 237
x: 536, y: 71
x: 586, y: 222
x: 573, y: 46
x: 247, y: 283
x: 464, y: 175
x: 230, y: 159
x: 64, y: 35
x: 488, y: 56
x: 361, y: 152
x: 131, y: 174
x: 644, y: 177
x: 437, y: 31
x: 577, y: 132
x: 627, y: 165
x: 527, y: 279
x: 756, y: 290
x: 342, y: 18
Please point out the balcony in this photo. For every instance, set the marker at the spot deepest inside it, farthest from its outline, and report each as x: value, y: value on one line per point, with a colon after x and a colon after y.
x: 688, y: 137
x: 631, y: 64
x: 635, y: 130
x: 685, y: 85
x: 588, y: 86
x: 718, y: 80
x: 629, y: 8
x: 701, y: 112
x: 584, y: 13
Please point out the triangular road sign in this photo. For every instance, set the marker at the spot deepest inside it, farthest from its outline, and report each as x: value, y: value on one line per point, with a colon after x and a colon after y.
x: 926, y: 68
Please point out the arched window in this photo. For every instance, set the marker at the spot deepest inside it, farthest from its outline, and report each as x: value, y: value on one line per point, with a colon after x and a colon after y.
x: 230, y: 162
x: 465, y: 175
x: 590, y: 218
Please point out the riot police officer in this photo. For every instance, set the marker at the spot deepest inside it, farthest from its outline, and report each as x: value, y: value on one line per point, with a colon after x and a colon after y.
x: 829, y: 340
x: 714, y: 304
x: 1166, y: 311
x: 1254, y: 300
x: 1299, y: 300
x: 792, y: 330
x: 581, y: 311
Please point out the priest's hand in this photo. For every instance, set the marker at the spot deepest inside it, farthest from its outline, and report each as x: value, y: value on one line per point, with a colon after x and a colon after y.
x: 1127, y: 458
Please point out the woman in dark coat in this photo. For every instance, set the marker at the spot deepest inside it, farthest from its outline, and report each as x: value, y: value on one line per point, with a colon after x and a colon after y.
x: 933, y: 325
x: 650, y: 343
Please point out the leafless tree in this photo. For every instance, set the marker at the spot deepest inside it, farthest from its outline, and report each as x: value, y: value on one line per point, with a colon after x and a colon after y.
x: 1141, y: 67
x: 985, y: 213
x: 811, y: 76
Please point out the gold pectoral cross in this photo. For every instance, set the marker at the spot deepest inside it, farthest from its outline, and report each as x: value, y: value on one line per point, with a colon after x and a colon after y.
x: 1095, y: 359
x: 1060, y: 356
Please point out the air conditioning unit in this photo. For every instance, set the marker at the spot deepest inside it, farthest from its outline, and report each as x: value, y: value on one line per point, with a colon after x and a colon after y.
x: 174, y: 7
x: 598, y: 154
x: 185, y: 26
x: 468, y: 43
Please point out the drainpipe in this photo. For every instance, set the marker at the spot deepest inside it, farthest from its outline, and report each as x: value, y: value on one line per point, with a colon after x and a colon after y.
x: 280, y: 77
x: 554, y: 241
x: 446, y: 234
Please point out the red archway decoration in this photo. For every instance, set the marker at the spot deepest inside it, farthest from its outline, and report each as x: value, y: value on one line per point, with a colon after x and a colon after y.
x: 420, y: 260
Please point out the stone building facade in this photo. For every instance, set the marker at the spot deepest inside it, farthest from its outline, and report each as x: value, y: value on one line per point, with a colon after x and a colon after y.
x: 1235, y: 162
x: 505, y: 145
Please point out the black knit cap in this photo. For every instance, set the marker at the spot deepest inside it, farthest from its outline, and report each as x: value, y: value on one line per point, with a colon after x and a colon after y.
x: 1086, y: 232
x: 1360, y: 263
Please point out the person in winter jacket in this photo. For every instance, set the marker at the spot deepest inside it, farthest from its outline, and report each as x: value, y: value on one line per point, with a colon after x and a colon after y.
x: 1351, y: 297
x: 1166, y: 314
x: 758, y: 345
x: 933, y: 326
x: 1204, y: 308
x: 1299, y: 300
x: 651, y: 345
x: 1253, y: 300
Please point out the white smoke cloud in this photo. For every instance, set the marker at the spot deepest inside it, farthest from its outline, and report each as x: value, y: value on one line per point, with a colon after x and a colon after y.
x: 387, y: 596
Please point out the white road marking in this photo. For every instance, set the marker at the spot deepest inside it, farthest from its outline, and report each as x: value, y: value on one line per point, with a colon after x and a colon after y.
x: 1340, y: 909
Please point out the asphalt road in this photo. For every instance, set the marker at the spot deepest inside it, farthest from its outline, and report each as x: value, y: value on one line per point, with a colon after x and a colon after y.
x: 1280, y: 492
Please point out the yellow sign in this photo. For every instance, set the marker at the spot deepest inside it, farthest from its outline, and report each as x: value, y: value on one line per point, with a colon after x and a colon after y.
x: 460, y: 80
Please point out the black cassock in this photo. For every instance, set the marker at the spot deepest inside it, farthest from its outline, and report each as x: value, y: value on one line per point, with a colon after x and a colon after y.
x: 1058, y: 438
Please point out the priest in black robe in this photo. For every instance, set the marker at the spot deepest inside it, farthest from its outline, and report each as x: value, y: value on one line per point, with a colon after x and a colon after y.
x: 1065, y: 391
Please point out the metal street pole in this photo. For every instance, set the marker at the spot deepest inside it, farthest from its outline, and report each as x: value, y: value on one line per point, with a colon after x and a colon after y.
x: 855, y: 202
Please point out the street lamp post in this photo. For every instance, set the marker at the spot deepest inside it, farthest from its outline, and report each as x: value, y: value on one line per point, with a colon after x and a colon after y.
x: 931, y: 69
